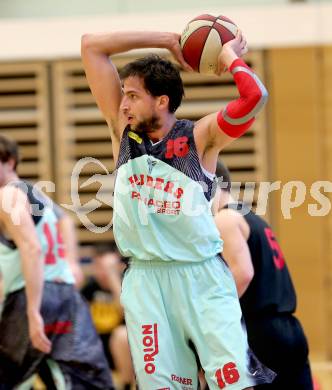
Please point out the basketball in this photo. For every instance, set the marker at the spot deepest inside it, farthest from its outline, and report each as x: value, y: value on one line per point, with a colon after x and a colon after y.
x: 202, y: 40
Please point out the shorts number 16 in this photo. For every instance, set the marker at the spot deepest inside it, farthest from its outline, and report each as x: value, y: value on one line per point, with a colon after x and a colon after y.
x: 228, y: 374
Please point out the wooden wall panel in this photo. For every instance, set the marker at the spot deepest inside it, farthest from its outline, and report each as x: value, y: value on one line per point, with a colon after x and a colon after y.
x: 24, y: 116
x: 326, y: 72
x: 81, y: 132
x: 296, y: 140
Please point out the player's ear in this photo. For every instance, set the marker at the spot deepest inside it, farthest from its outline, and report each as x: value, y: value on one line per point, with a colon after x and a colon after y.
x: 163, y: 102
x: 12, y: 164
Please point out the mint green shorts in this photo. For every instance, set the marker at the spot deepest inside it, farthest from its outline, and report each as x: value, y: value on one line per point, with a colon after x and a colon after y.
x: 172, y: 308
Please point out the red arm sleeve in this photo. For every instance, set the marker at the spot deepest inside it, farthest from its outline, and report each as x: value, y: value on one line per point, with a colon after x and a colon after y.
x: 239, y: 114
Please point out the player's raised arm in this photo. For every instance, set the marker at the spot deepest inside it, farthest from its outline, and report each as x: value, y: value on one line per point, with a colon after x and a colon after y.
x: 237, y: 117
x: 103, y: 77
x: 103, y: 80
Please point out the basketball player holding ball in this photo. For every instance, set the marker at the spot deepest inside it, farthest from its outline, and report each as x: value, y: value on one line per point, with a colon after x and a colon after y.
x: 178, y: 295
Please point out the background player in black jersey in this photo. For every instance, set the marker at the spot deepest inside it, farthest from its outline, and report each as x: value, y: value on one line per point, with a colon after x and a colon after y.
x: 265, y: 288
x: 43, y: 315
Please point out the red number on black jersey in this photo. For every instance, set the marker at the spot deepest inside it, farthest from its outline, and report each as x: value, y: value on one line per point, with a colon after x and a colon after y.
x: 177, y: 147
x: 278, y: 257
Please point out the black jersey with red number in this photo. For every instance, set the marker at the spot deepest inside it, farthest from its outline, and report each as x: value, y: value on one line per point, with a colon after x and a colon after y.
x: 271, y: 289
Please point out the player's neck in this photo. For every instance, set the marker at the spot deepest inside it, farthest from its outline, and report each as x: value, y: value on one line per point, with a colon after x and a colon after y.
x: 10, y: 177
x: 166, y: 127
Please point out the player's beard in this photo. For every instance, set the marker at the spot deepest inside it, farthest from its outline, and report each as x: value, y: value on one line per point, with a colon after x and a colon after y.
x: 148, y: 125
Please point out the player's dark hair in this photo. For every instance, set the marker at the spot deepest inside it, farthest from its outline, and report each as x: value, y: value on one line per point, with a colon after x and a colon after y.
x: 223, y: 177
x: 160, y: 77
x: 8, y: 150
x: 104, y: 249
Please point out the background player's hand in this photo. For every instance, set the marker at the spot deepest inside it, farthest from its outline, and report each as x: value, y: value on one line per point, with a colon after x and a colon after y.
x: 232, y: 50
x: 37, y: 334
x: 175, y: 48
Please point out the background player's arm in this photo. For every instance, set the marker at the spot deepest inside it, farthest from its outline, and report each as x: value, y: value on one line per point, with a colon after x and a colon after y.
x: 115, y: 282
x: 15, y: 215
x: 217, y: 130
x: 236, y: 251
x: 68, y: 234
x: 103, y: 77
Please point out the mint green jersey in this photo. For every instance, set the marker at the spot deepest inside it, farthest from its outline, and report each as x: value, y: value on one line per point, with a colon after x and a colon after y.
x: 162, y: 199
x: 46, y: 223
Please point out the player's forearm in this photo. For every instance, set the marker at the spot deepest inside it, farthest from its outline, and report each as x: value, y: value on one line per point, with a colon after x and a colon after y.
x: 33, y: 273
x: 68, y: 233
x: 241, y: 285
x: 69, y: 237
x: 227, y: 57
x: 115, y: 287
x: 242, y: 279
x: 239, y: 114
x: 118, y: 42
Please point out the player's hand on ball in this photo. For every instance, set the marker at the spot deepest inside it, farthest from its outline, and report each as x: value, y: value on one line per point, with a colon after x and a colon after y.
x: 175, y: 49
x: 238, y: 44
x: 231, y: 50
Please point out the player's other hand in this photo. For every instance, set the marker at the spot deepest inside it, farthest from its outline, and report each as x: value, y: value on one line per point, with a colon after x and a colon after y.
x: 175, y: 48
x: 37, y: 334
x: 231, y: 50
